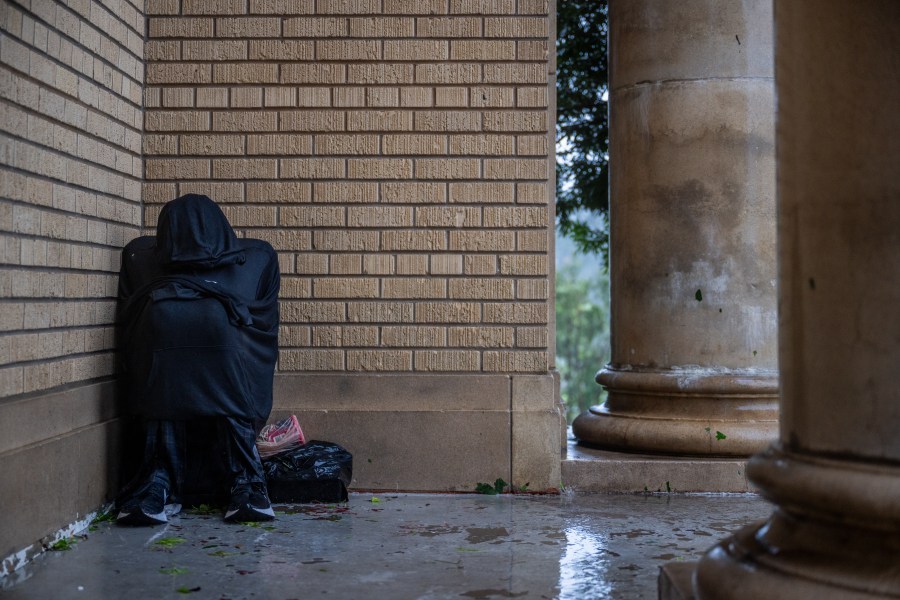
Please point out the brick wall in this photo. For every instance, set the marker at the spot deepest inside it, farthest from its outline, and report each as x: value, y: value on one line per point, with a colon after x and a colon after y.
x: 71, y: 82
x: 70, y: 167
x: 396, y: 153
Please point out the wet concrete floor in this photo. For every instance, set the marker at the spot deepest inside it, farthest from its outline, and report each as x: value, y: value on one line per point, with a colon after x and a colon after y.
x: 398, y: 546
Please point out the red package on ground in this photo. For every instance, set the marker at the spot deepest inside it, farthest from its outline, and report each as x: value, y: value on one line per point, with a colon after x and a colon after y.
x: 280, y: 437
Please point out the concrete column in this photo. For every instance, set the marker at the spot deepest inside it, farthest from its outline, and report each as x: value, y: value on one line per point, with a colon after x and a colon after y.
x: 835, y: 473
x: 694, y: 350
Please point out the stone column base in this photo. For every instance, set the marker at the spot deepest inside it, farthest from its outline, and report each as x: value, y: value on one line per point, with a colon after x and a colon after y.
x: 835, y: 535
x: 694, y: 412
x: 675, y: 581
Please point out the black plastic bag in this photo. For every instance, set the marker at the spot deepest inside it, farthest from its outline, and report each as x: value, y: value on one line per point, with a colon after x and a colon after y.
x: 315, y: 472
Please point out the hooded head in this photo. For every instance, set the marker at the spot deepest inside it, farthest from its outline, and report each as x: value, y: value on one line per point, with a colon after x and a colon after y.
x: 193, y: 232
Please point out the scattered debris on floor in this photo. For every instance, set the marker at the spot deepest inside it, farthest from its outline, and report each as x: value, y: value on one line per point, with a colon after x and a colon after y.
x: 395, y: 546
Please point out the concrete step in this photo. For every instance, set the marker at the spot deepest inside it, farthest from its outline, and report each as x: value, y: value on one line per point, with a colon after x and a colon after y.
x: 586, y: 470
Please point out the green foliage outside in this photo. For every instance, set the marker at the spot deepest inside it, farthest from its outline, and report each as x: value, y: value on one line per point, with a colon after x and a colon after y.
x: 582, y: 205
x: 582, y: 132
x: 582, y: 328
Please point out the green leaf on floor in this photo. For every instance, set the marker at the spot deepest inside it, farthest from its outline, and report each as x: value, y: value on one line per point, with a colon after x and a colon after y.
x: 491, y: 490
x: 222, y: 553
x: 698, y: 296
x: 186, y: 590
x: 174, y: 571
x: 484, y: 488
x: 103, y: 518
x: 170, y: 542
x: 374, y: 500
x: 720, y: 435
x: 63, y: 544
x: 203, y: 509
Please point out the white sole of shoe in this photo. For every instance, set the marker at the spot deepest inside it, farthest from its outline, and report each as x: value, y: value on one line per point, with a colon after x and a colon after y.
x: 142, y: 518
x: 249, y: 513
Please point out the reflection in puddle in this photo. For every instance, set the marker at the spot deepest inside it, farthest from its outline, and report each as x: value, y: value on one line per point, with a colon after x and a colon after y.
x: 583, y: 564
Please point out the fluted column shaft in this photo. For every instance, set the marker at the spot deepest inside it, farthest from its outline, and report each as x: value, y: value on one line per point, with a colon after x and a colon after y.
x: 835, y: 474
x: 694, y: 352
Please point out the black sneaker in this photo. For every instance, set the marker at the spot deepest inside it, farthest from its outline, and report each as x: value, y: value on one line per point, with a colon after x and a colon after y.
x: 249, y: 502
x: 148, y: 507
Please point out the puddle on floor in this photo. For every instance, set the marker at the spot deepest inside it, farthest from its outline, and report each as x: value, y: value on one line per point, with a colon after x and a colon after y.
x: 403, y: 546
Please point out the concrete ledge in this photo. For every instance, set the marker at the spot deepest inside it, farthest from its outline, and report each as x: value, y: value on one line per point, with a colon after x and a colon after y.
x: 393, y: 391
x: 591, y: 470
x: 421, y: 432
x: 49, y: 484
x: 31, y: 419
x: 59, y: 460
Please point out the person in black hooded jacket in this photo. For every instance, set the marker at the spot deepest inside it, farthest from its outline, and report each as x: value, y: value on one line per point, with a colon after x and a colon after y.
x: 198, y: 316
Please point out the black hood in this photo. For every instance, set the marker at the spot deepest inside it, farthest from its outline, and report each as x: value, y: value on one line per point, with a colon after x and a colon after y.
x: 193, y: 232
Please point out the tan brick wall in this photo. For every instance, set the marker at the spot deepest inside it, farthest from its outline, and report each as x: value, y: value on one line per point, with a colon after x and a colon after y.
x: 397, y: 154
x: 71, y: 79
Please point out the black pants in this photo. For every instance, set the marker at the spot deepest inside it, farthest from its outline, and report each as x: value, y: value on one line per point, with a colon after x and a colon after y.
x: 165, y: 451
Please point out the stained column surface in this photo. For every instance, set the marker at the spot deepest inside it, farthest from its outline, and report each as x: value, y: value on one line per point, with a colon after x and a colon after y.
x: 836, y: 472
x: 694, y: 352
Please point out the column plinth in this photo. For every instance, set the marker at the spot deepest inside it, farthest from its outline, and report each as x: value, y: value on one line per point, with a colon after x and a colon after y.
x: 688, y: 411
x: 824, y: 541
x: 692, y: 231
